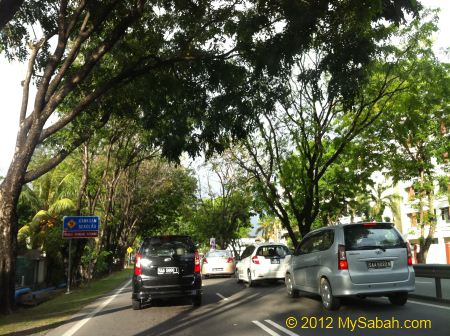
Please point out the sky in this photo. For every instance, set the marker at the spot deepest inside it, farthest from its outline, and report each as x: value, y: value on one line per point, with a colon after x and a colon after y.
x: 11, y: 75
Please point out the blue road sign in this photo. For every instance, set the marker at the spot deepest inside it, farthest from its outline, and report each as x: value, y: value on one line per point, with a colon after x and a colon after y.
x: 81, y: 226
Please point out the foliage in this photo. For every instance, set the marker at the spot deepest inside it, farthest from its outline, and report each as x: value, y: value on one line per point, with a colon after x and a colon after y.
x: 413, y: 137
x: 269, y: 227
x: 222, y: 218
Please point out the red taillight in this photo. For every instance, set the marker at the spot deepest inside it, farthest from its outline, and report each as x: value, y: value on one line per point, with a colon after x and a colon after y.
x: 137, y: 265
x: 342, y: 258
x: 229, y: 260
x: 409, y: 254
x: 196, y: 262
x: 343, y: 264
x: 255, y: 260
x: 205, y: 261
x: 369, y: 224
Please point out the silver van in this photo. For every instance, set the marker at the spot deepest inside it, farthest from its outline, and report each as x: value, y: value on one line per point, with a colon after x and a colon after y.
x: 363, y: 259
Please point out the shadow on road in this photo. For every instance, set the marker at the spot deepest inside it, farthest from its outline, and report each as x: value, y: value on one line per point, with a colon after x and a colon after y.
x: 210, y: 309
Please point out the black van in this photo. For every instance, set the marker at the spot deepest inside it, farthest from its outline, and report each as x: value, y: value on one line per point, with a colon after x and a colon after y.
x: 166, y: 266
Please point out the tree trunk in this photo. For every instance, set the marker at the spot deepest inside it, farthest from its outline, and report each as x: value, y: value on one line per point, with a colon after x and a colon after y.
x: 8, y: 227
x: 9, y: 196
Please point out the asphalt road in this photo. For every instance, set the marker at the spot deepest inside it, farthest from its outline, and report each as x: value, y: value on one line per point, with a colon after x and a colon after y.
x: 232, y: 309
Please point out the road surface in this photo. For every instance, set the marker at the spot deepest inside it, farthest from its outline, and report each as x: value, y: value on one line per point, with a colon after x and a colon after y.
x: 232, y: 309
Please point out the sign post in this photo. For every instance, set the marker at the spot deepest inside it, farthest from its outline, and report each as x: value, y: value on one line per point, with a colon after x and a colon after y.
x: 78, y: 227
x: 129, y: 250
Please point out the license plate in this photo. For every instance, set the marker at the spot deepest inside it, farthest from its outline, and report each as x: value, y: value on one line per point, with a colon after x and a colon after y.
x: 379, y: 264
x: 217, y: 269
x: 168, y: 270
x: 275, y: 261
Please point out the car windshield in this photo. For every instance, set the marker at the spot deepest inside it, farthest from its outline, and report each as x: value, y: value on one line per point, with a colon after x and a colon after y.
x: 372, y: 236
x: 218, y: 254
x: 167, y: 246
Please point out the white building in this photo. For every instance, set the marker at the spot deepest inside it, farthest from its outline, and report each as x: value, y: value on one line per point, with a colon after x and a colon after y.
x: 410, y: 218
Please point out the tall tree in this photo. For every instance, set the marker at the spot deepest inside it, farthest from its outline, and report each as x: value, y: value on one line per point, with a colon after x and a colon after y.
x: 302, y: 144
x: 411, y: 135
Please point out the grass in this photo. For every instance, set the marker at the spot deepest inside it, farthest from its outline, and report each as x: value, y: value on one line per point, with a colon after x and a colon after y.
x: 48, y: 315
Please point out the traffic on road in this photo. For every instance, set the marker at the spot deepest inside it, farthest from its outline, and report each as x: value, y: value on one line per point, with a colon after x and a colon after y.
x: 231, y: 308
x: 351, y: 280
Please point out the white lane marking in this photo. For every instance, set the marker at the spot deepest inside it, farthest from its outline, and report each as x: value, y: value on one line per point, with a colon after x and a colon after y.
x: 77, y: 326
x: 276, y: 325
x: 215, y: 309
x: 428, y: 304
x: 425, y: 282
x: 222, y: 297
x: 263, y: 327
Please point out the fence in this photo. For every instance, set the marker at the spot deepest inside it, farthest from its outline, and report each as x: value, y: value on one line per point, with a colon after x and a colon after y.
x: 441, y: 288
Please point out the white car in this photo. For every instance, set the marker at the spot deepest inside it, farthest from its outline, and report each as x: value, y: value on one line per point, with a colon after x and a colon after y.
x: 267, y: 261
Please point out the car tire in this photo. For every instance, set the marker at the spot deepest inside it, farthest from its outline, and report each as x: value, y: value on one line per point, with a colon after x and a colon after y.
x: 136, y: 304
x: 250, y: 282
x: 291, y: 291
x: 205, y: 276
x: 329, y: 301
x: 197, y: 300
x: 399, y: 299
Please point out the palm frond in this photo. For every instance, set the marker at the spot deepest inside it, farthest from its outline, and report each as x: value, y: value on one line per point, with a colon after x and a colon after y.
x: 64, y: 205
x: 28, y: 197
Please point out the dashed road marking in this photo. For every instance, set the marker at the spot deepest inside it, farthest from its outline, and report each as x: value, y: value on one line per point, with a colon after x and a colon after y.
x: 266, y: 329
x: 222, y: 297
x: 276, y: 325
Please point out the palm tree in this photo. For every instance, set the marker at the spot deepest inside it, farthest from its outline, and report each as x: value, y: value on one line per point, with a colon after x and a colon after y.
x: 270, y: 228
x: 49, y: 197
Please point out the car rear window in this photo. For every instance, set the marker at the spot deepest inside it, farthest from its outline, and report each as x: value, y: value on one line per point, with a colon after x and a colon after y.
x: 372, y: 236
x: 167, y: 246
x: 218, y: 254
x: 273, y: 251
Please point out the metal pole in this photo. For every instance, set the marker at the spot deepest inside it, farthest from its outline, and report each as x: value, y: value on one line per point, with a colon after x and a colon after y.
x: 68, y: 270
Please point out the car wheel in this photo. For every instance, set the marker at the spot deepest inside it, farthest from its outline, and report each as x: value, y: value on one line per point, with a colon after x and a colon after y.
x: 292, y: 292
x: 205, y: 276
x: 329, y: 301
x: 136, y: 304
x: 398, y: 299
x: 250, y: 282
x: 197, y: 300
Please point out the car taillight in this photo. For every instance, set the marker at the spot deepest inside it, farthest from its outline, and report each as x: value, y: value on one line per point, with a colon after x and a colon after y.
x: 137, y: 265
x: 342, y: 258
x: 205, y: 261
x: 409, y: 254
x: 255, y: 260
x: 229, y: 260
x: 196, y: 262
